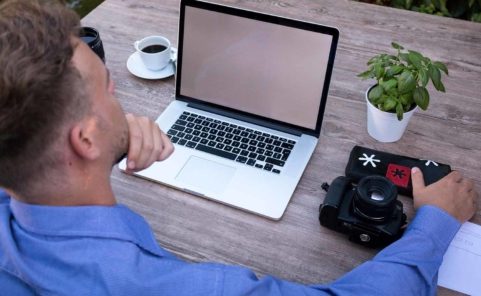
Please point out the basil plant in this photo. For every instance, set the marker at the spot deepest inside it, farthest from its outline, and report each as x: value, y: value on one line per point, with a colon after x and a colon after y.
x: 402, y: 80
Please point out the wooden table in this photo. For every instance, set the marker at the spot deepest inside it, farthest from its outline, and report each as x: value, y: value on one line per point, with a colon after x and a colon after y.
x: 297, y: 248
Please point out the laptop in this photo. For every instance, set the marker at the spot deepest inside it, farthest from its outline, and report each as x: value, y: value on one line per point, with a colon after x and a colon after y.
x: 250, y: 95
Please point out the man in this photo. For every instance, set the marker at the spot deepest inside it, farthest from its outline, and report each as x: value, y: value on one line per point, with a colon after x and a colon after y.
x: 61, y: 230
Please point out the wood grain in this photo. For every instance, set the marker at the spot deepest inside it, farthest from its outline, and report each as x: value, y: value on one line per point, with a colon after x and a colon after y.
x: 297, y: 248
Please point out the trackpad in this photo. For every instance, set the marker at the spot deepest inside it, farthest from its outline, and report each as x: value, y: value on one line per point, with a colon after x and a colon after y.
x: 206, y: 174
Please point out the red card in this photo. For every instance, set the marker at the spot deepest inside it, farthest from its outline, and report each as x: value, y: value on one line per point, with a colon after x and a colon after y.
x: 398, y: 174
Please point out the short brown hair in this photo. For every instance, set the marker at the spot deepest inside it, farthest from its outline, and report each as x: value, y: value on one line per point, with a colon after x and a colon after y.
x: 40, y: 88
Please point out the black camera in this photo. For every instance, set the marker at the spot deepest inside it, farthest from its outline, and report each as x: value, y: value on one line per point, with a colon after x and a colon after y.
x: 369, y: 212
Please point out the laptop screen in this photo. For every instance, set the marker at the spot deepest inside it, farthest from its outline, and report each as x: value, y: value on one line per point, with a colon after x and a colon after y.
x: 263, y: 68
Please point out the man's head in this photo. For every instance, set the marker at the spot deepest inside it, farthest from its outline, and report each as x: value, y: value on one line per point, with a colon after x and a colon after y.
x: 57, y: 108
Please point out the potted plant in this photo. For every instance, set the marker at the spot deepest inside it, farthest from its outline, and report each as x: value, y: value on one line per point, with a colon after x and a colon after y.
x: 400, y: 89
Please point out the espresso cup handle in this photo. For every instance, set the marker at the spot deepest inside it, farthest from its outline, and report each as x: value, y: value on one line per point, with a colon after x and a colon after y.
x: 136, y: 45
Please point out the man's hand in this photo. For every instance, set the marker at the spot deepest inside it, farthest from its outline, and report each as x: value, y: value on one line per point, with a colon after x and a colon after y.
x: 147, y: 143
x: 453, y: 193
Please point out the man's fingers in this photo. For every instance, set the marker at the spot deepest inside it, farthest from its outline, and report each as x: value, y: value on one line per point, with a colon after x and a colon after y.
x: 417, y: 179
x: 147, y: 148
x: 168, y: 148
x: 135, y: 141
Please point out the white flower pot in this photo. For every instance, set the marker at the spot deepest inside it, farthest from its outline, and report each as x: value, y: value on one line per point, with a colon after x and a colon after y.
x: 384, y: 126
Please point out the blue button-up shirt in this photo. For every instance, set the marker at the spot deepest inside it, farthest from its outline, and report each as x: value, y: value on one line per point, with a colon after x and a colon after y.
x: 110, y: 250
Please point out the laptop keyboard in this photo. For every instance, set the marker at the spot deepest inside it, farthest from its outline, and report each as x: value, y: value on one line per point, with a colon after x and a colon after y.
x: 251, y: 147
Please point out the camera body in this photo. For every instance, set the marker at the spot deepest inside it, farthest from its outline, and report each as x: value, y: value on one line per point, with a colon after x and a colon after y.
x: 369, y: 212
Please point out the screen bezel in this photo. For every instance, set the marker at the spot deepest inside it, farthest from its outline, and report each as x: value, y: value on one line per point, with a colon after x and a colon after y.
x: 264, y: 18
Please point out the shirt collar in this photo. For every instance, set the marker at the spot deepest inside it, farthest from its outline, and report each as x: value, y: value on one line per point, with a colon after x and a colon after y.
x: 112, y: 222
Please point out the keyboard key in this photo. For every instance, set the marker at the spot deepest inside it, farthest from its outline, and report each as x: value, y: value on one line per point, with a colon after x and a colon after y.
x: 237, y: 138
x: 287, y: 146
x: 211, y: 144
x: 219, y: 139
x: 260, y: 150
x: 221, y: 134
x: 190, y: 144
x: 186, y: 113
x: 270, y: 147
x: 277, y: 143
x: 217, y: 121
x: 198, y: 127
x: 225, y: 124
x: 221, y: 127
x: 245, y: 140
x: 213, y: 125
x: 261, y: 138
x: 236, y: 150
x: 188, y: 130
x: 209, y: 119
x: 227, y: 141
x: 211, y: 137
x: 232, y: 125
x: 236, y: 132
x: 235, y: 144
x: 244, y: 146
x: 277, y: 156
x: 201, y: 117
x: 275, y: 161
x: 252, y: 155
x: 204, y: 135
x: 196, y: 133
x: 205, y: 123
x: 261, y: 145
x: 229, y: 136
x: 215, y: 151
x: 269, y: 141
x: 206, y: 129
x: 282, y: 140
x: 204, y: 141
x: 268, y: 167
x: 252, y: 148
x: 291, y: 142
x: 228, y: 148
x: 188, y: 137
x: 274, y: 137
x: 261, y: 158
x: 241, y: 159
x: 249, y: 130
x: 181, y: 122
x: 269, y: 153
x: 278, y: 149
x: 219, y: 146
x: 175, y: 140
x: 193, y: 115
x: 172, y: 132
x: 183, y: 117
x: 241, y: 128
x: 198, y: 121
x: 257, y: 132
x: 251, y: 161
x: 182, y: 142
x: 266, y: 135
x: 190, y: 124
x: 178, y: 127
x: 244, y: 134
x: 244, y: 153
x: 252, y: 136
x: 253, y: 142
x: 213, y: 131
x: 190, y: 119
x: 276, y: 171
x: 196, y: 139
x: 259, y: 166
x: 228, y: 130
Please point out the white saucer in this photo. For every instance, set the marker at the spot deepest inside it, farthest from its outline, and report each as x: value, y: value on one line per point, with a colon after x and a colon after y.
x: 137, y: 67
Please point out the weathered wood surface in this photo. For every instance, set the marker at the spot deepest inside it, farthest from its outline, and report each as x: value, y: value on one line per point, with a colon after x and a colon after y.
x: 297, y: 248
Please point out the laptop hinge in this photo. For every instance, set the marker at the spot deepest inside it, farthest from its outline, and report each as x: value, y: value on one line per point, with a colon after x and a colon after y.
x: 247, y: 118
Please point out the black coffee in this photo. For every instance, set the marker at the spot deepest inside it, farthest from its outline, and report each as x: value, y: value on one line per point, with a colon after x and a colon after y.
x: 154, y: 48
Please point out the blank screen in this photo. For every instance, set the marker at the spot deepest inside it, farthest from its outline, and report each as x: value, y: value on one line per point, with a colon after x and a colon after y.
x: 257, y: 67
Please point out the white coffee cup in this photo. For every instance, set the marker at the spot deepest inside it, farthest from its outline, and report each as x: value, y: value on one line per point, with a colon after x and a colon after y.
x: 154, y: 51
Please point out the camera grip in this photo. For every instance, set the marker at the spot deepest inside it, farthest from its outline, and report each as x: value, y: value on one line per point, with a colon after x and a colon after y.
x: 329, y: 209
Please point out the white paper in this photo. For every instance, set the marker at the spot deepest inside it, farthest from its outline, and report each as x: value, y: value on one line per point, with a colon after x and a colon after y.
x: 461, y: 267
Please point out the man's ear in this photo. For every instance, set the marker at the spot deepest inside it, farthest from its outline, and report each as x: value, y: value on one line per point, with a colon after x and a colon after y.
x: 83, y: 139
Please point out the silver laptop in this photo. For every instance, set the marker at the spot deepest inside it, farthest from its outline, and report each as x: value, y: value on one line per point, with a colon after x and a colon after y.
x: 250, y: 96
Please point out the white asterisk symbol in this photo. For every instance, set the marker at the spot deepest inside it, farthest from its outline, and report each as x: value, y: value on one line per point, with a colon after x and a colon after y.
x: 428, y: 162
x: 369, y: 159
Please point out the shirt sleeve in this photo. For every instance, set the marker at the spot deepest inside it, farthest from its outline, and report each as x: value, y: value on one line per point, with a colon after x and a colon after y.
x: 410, y: 265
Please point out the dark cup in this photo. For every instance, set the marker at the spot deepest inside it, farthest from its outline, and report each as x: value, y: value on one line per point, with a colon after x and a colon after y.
x: 92, y: 37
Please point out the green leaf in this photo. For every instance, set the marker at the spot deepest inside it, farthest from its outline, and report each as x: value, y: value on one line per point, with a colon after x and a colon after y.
x: 394, y: 70
x: 421, y: 97
x: 406, y: 99
x: 441, y: 67
x: 406, y: 82
x: 404, y: 57
x: 389, y: 104
x: 399, y: 111
x: 435, y: 75
x: 423, y: 77
x: 396, y: 46
x: 365, y: 75
x: 416, y: 59
x: 379, y: 71
x: 389, y: 84
x: 375, y: 93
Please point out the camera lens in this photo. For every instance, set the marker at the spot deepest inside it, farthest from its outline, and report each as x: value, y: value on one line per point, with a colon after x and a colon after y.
x: 375, y: 198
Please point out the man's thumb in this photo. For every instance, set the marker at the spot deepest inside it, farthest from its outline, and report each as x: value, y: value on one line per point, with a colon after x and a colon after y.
x: 417, y: 179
